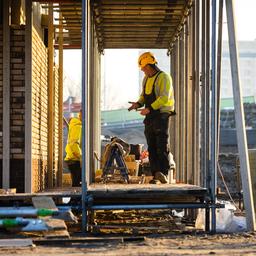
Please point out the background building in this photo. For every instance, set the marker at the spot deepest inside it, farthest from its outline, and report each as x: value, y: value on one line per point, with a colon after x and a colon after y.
x: 247, y: 65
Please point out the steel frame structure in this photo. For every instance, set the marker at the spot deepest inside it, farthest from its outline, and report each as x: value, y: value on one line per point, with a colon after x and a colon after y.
x: 188, y: 44
x: 182, y: 42
x: 193, y: 58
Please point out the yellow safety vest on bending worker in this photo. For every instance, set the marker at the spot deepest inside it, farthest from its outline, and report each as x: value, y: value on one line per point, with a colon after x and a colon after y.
x: 73, y: 147
x: 163, y: 91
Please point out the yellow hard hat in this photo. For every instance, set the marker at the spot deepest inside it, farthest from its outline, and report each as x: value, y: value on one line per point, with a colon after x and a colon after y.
x: 146, y: 58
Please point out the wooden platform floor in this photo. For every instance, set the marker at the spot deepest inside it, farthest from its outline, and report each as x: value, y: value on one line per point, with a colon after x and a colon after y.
x: 146, y: 193
x: 124, y: 193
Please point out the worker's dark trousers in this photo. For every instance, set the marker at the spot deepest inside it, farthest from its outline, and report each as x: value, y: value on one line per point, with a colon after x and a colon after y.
x: 75, y: 170
x: 156, y: 133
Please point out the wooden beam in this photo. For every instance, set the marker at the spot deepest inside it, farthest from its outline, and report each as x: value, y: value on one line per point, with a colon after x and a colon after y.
x: 69, y: 46
x: 6, y: 95
x: 60, y: 121
x: 28, y: 98
x: 57, y: 1
x: 50, y: 97
x: 16, y: 7
x: 133, y: 24
x: 239, y: 118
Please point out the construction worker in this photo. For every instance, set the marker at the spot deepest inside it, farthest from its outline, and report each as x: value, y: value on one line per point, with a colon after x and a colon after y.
x: 157, y: 97
x: 73, y: 149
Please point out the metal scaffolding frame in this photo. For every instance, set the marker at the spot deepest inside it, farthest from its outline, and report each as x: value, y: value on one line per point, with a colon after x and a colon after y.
x: 209, y: 106
x: 182, y: 41
x: 188, y: 42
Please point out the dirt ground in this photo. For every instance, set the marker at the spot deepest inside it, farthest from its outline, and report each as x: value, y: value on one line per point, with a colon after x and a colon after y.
x: 203, y: 244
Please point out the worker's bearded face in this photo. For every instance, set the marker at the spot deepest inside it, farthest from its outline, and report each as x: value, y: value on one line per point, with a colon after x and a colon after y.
x: 146, y: 70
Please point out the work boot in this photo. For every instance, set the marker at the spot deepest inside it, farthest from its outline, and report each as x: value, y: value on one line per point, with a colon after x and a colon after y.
x: 154, y: 181
x: 161, y: 177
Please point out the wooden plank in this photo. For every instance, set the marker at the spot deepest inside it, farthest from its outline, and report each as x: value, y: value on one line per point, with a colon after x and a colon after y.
x: 132, y: 193
x: 60, y: 106
x: 55, y: 224
x: 57, y: 228
x: 50, y: 97
x: 57, y: 234
x: 44, y: 202
x: 146, y: 193
x: 16, y: 243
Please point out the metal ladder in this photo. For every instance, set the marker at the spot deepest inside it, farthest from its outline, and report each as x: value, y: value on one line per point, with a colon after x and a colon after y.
x: 115, y: 156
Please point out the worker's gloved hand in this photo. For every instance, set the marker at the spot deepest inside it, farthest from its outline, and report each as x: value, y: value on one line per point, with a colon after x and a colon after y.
x: 134, y: 105
x: 144, y: 111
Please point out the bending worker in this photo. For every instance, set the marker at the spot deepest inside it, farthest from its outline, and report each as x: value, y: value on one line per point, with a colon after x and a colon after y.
x: 73, y: 149
x: 157, y: 97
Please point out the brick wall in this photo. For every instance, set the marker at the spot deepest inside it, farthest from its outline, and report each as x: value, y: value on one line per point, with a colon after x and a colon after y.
x: 1, y: 102
x: 39, y: 111
x: 17, y: 105
x: 39, y: 114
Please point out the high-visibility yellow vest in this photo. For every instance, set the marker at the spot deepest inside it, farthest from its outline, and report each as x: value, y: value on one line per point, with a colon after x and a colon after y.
x: 163, y: 91
x: 73, y: 147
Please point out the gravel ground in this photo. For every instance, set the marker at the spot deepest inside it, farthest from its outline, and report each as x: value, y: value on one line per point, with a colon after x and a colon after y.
x: 221, y: 244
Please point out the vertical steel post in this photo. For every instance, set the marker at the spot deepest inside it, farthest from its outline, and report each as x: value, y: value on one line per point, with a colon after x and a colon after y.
x: 214, y: 113
x: 189, y: 90
x: 177, y: 87
x: 219, y: 57
x: 197, y: 92
x: 189, y: 100
x: 181, y: 104
x: 6, y: 96
x: 175, y: 72
x: 207, y: 105
x: 207, y: 85
x: 172, y: 129
x: 194, y: 96
x: 203, y: 102
x: 185, y: 130
x: 85, y: 139
x: 239, y: 117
